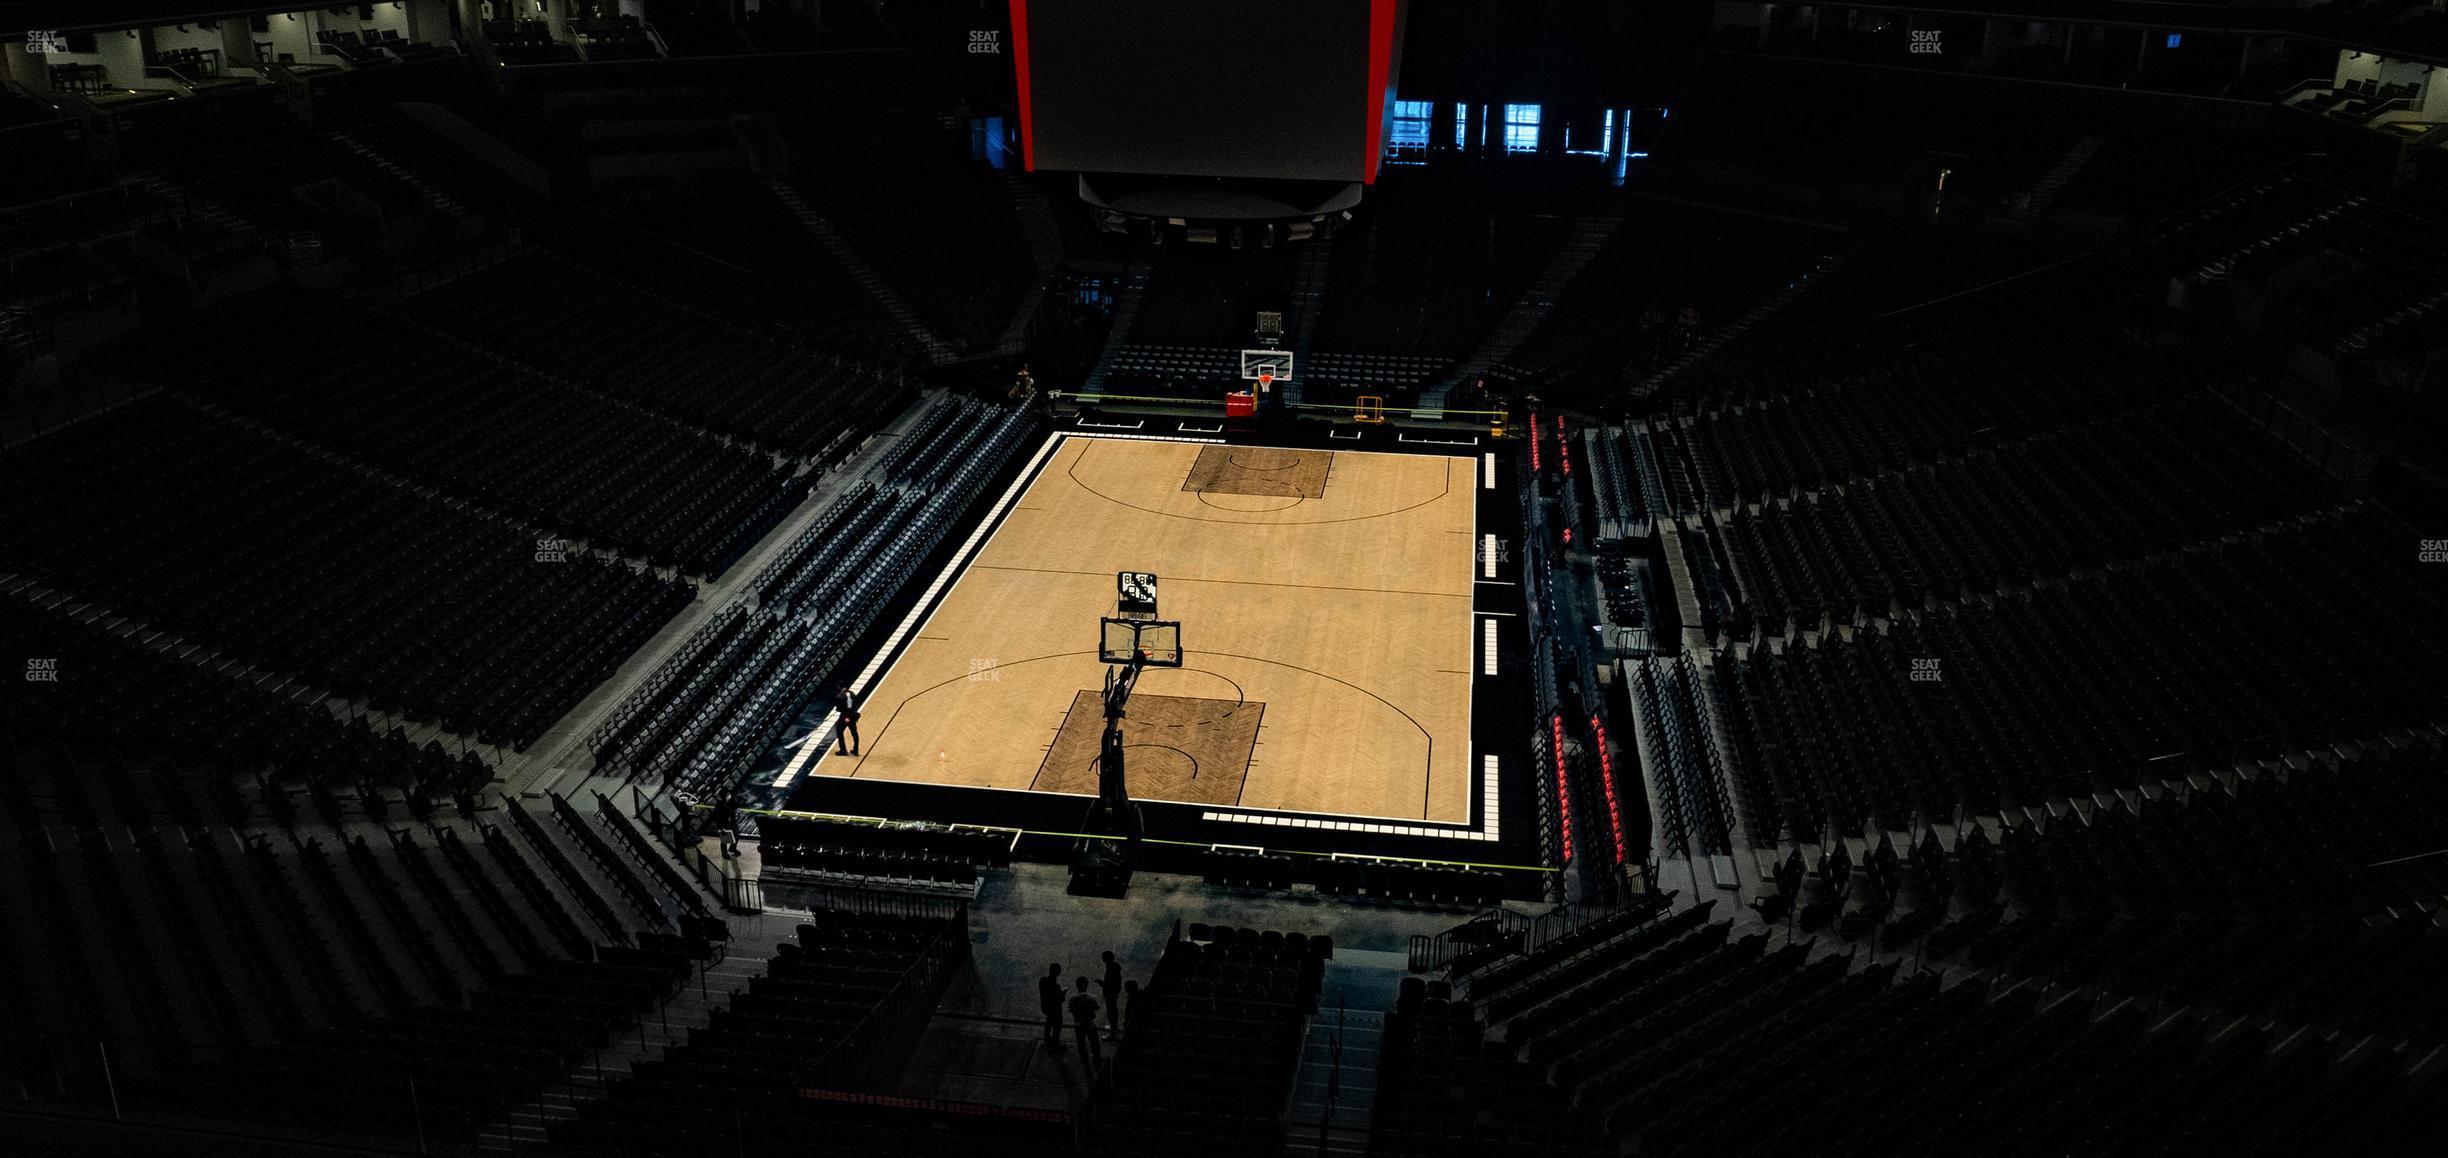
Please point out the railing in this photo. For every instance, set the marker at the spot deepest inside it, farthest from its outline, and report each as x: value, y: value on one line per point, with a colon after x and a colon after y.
x: 883, y: 903
x: 2308, y: 84
x: 1334, y: 1078
x: 676, y: 829
x: 1492, y: 933
x: 2154, y: 227
x: 2395, y: 104
x: 2306, y: 436
x: 170, y: 73
x: 608, y: 863
x: 644, y: 850
x: 102, y: 400
x: 1502, y: 933
x: 87, y: 1078
x: 939, y: 1106
x: 452, y: 266
x: 1567, y: 917
x: 559, y: 863
x: 902, y: 1013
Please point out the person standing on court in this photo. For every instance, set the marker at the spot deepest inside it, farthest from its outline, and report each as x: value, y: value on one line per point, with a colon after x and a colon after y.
x: 1050, y: 1003
x: 1083, y: 1021
x: 846, y: 737
x: 1111, y: 983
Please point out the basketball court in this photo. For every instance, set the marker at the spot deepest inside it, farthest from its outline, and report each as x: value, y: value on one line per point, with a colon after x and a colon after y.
x: 1325, y: 607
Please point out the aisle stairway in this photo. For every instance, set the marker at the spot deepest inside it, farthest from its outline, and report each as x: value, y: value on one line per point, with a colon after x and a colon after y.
x: 286, y: 686
x: 1589, y: 235
x: 1036, y: 223
x: 2045, y: 191
x: 752, y: 944
x: 320, y: 452
x: 1648, y: 384
x: 1308, y: 302
x: 1339, y: 1057
x: 1126, y: 310
x: 1679, y: 579
x: 1045, y: 255
x: 440, y: 200
x: 160, y: 185
x: 938, y: 351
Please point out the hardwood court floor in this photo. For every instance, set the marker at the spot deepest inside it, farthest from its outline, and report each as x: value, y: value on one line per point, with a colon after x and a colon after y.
x: 1336, y: 629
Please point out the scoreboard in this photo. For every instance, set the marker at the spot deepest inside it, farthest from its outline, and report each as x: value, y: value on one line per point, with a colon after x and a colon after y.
x: 1282, y: 89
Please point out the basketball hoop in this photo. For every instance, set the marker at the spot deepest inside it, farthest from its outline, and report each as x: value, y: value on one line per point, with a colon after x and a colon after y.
x: 1266, y: 381
x: 1264, y: 366
x: 1147, y: 642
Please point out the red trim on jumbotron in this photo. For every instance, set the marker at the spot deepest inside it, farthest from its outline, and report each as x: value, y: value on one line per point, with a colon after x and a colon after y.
x: 1020, y: 66
x: 1381, y: 58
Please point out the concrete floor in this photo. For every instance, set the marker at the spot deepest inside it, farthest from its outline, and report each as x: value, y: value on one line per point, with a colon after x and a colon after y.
x: 984, y: 1043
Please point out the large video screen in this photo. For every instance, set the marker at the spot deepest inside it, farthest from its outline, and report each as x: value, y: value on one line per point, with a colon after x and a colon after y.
x: 1291, y: 89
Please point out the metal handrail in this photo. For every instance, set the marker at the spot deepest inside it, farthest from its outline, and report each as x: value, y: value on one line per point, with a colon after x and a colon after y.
x: 1429, y: 954
x: 2263, y: 175
x: 854, y: 1048
x: 1102, y: 396
x: 2324, y: 83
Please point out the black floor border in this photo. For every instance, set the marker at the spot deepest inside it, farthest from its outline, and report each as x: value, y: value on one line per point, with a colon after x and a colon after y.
x: 1500, y: 706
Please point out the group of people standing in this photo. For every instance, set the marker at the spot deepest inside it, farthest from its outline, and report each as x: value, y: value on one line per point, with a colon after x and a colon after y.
x: 1083, y: 1008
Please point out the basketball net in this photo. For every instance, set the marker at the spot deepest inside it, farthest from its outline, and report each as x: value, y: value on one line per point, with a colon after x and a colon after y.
x: 1266, y: 381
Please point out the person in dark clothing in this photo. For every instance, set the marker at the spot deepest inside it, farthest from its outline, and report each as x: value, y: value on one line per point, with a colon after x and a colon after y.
x: 846, y: 737
x: 1083, y: 1022
x: 1130, y: 1001
x: 1112, y: 985
x: 1050, y: 1002
x: 726, y: 824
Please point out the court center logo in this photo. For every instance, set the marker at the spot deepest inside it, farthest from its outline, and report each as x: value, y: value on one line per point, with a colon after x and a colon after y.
x: 42, y: 671
x: 45, y: 43
x: 1925, y: 42
x: 985, y: 42
x: 982, y: 669
x: 1925, y: 671
x: 552, y: 550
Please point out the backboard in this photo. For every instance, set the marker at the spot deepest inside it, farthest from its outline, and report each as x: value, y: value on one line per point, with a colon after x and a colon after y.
x: 1274, y: 363
x: 1135, y: 594
x: 1155, y: 642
